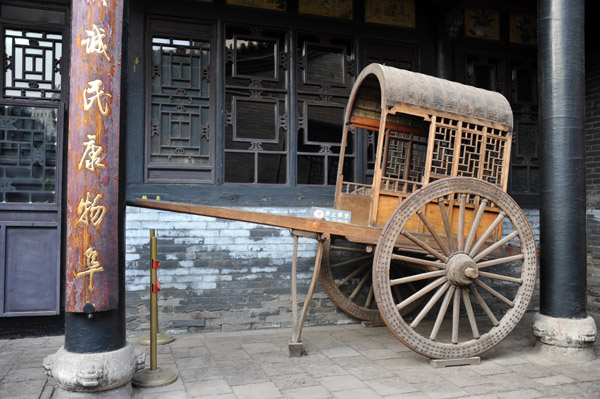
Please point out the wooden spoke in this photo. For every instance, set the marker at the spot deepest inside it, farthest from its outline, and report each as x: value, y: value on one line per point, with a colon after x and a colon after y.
x: 359, y: 286
x: 501, y: 277
x: 461, y: 222
x: 487, y: 233
x: 352, y: 275
x: 475, y: 225
x: 442, y: 312
x: 424, y: 245
x: 341, y: 258
x: 352, y: 261
x: 369, y: 298
x: 410, y: 285
x: 418, y: 261
x: 347, y: 249
x: 399, y: 296
x: 447, y: 228
x: 470, y: 313
x: 494, y: 246
x: 417, y: 277
x: 428, y: 288
x: 483, y: 305
x: 500, y: 261
x: 495, y: 293
x: 436, y: 297
x: 455, y: 316
x: 433, y: 233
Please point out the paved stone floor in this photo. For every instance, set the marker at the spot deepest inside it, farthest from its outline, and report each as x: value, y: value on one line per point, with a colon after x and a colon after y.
x: 343, y: 362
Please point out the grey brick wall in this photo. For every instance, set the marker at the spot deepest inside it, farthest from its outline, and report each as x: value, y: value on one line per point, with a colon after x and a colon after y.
x: 219, y: 275
x: 592, y: 130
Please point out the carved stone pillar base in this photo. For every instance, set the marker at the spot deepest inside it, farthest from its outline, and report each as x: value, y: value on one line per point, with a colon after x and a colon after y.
x: 123, y: 392
x: 92, y: 373
x: 566, y: 338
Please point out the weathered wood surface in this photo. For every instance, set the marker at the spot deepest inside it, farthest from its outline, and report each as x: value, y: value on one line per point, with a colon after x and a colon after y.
x: 355, y: 233
x: 92, y: 250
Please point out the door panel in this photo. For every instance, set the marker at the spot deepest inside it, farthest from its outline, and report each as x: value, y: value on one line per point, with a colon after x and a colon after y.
x: 34, y: 43
x: 31, y: 280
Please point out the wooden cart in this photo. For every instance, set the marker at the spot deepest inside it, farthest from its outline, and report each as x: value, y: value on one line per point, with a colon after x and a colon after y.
x: 425, y: 243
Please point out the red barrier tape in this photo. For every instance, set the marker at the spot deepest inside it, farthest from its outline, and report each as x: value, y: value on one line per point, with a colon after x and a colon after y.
x: 156, y: 288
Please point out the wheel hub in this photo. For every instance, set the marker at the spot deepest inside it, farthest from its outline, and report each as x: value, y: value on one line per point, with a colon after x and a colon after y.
x: 461, y: 270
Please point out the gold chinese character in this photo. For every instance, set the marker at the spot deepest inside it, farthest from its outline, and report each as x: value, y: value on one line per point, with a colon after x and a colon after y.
x: 93, y: 2
x: 91, y: 155
x: 94, y: 43
x: 95, y: 93
x: 90, y: 211
x: 92, y: 265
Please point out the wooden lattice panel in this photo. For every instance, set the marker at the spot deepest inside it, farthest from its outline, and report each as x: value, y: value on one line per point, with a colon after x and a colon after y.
x: 417, y: 159
x: 443, y: 148
x: 400, y: 175
x: 495, y: 151
x: 398, y: 147
x: 469, y: 160
x: 481, y: 150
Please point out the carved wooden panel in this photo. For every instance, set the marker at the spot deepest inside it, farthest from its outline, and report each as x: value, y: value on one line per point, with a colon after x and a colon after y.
x: 256, y: 106
x: 181, y: 106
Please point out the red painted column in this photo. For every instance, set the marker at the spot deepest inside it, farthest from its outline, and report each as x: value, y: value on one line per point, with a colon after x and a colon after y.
x: 96, y: 356
x: 92, y: 271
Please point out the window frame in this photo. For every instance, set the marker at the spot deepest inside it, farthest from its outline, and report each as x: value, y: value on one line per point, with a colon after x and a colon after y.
x: 177, y: 29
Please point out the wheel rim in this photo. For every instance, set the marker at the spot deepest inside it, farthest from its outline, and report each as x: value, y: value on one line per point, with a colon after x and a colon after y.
x: 346, y: 276
x: 464, y: 275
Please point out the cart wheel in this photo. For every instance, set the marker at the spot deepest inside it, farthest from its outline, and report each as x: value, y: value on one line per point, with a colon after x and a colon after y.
x: 465, y: 274
x: 346, y: 276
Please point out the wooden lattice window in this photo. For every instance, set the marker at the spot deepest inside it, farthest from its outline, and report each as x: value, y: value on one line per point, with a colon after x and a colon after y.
x: 30, y: 115
x: 180, y: 110
x: 405, y: 162
x: 256, y: 106
x: 28, y: 142
x: 32, y: 64
x: 325, y: 71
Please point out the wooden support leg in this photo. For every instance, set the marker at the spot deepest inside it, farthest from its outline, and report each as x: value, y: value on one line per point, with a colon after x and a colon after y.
x: 296, y: 348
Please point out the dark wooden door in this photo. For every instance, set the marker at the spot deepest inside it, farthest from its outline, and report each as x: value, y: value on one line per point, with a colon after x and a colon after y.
x: 31, y: 140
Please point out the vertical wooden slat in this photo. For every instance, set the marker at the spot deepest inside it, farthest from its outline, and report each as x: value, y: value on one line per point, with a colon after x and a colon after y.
x: 430, y: 145
x: 456, y: 152
x: 506, y: 163
x: 482, y: 153
x: 378, y: 169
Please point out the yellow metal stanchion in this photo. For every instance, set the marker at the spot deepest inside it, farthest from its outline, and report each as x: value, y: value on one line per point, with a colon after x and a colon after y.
x: 154, y: 376
x: 162, y: 338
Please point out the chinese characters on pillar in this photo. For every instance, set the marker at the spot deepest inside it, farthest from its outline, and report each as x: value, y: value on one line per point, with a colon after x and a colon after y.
x: 92, y: 238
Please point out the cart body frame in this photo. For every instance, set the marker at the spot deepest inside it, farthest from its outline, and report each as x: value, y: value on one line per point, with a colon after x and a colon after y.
x: 425, y: 129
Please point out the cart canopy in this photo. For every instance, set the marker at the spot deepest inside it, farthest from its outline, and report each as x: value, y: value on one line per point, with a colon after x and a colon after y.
x: 405, y: 90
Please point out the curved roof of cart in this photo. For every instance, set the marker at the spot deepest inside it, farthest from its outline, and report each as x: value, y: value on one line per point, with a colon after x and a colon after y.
x: 403, y: 90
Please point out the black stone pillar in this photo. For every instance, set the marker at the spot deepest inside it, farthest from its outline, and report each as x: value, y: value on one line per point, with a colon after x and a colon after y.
x: 562, y: 147
x: 562, y: 327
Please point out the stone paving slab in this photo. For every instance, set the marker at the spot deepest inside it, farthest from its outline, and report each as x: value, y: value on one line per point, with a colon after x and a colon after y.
x: 343, y: 362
